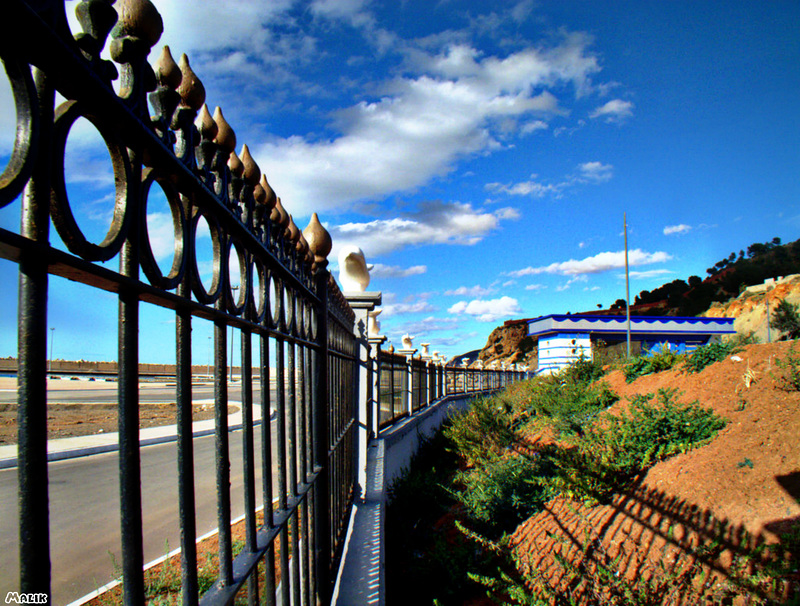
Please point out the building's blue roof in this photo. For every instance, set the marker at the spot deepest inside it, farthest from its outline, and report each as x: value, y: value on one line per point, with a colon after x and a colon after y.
x: 640, y: 325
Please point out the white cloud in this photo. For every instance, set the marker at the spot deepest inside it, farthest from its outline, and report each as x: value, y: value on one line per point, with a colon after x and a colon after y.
x: 527, y: 188
x: 488, y: 311
x: 427, y: 325
x: 474, y: 291
x: 215, y: 25
x: 397, y: 309
x: 161, y: 235
x: 677, y: 229
x: 450, y: 109
x: 434, y: 222
x: 653, y: 273
x: 535, y: 287
x: 586, y: 173
x: 393, y: 271
x: 615, y: 110
x: 532, y: 127
x: 598, y: 263
x: 596, y: 171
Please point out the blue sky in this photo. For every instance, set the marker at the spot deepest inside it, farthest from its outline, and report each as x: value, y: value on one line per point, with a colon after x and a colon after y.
x: 481, y: 154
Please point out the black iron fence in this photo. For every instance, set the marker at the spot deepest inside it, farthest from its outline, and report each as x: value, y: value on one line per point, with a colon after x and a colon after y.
x: 393, y: 387
x: 409, y: 382
x: 269, y: 284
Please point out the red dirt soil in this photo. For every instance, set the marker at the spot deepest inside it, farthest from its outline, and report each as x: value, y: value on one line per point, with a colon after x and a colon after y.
x: 738, y: 492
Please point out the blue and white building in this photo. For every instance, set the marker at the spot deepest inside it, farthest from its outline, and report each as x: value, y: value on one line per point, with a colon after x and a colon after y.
x: 563, y: 339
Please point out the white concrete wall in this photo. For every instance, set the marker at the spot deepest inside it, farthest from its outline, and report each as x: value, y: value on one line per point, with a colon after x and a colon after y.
x: 559, y: 351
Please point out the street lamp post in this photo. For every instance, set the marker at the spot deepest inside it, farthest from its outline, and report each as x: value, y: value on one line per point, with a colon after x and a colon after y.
x: 208, y: 366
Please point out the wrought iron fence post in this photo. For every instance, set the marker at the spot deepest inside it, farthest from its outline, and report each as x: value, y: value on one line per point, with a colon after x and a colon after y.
x: 375, y: 342
x: 33, y: 496
x: 322, y: 521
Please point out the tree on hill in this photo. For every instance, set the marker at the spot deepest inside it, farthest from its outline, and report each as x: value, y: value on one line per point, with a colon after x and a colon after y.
x: 786, y: 319
x: 725, y: 280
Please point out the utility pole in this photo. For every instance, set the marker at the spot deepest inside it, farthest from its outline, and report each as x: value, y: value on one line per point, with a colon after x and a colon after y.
x: 627, y: 289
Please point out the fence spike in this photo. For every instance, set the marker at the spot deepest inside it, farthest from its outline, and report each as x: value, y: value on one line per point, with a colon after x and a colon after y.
x: 252, y: 173
x: 319, y: 241
x: 191, y: 89
x: 225, y: 138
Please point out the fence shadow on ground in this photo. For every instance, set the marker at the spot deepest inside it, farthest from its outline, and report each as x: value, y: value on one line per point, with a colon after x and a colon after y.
x: 652, y: 548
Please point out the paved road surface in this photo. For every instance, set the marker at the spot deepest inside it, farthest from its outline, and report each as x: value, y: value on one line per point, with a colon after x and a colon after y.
x: 84, y: 512
x: 97, y: 392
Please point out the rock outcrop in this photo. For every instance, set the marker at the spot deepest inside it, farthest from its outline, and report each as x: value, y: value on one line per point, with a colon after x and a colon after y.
x: 750, y: 308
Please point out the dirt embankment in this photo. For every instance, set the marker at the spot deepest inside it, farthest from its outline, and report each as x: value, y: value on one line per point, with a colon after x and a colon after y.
x: 727, y: 498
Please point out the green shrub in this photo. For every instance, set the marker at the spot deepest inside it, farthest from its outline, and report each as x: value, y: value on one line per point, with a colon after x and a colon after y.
x: 617, y: 447
x: 583, y: 370
x: 654, y: 428
x: 420, y: 545
x: 740, y: 339
x: 789, y: 380
x: 504, y: 490
x: 708, y: 354
x: 567, y: 401
x: 786, y: 319
x: 481, y: 431
x: 640, y: 366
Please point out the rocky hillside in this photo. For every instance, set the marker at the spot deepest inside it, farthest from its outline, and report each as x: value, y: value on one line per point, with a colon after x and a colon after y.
x: 509, y: 343
x: 750, y: 308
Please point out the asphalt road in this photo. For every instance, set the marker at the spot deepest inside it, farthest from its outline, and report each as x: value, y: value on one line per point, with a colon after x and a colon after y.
x: 101, y: 392
x: 84, y: 511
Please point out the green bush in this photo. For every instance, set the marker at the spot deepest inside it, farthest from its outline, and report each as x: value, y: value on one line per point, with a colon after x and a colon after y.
x: 654, y: 428
x: 420, y: 542
x: 786, y: 319
x: 481, y: 431
x: 504, y: 490
x: 789, y: 380
x: 567, y: 401
x: 618, y: 447
x: 583, y: 370
x: 708, y: 354
x: 642, y: 365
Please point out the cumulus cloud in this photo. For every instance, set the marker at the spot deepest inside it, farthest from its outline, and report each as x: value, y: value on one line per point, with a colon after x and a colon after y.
x: 450, y: 109
x: 434, y: 222
x: 452, y: 100
x: 677, y: 229
x: 487, y: 310
x: 394, y: 271
x: 596, y: 171
x: 615, y: 110
x: 586, y: 173
x: 532, y: 127
x: 474, y: 291
x: 595, y: 264
x: 427, y: 325
x: 653, y: 273
x: 413, y: 307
